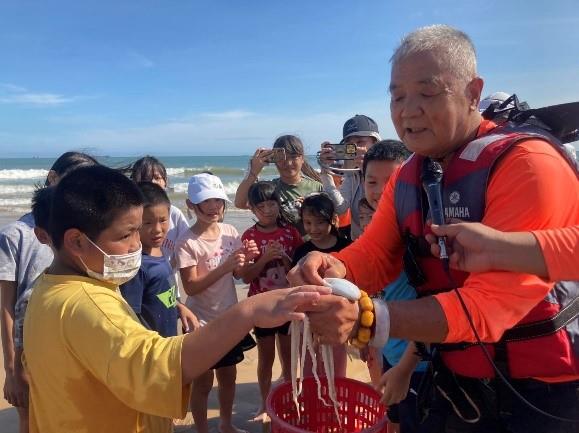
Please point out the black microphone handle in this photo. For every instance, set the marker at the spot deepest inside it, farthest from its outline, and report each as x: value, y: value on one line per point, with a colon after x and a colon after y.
x: 434, y: 195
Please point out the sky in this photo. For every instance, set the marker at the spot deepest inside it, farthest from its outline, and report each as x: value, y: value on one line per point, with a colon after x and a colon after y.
x: 194, y: 77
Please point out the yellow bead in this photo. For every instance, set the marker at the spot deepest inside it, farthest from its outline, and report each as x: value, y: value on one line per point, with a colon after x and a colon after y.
x: 366, y: 304
x: 364, y: 335
x: 363, y: 293
x: 357, y: 343
x: 367, y: 319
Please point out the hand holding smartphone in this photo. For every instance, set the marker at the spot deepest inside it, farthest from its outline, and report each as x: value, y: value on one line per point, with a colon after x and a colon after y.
x: 271, y: 156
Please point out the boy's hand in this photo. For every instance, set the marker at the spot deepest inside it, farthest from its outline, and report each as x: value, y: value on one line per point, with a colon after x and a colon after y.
x: 274, y: 308
x: 189, y: 320
x: 250, y: 249
x: 16, y: 387
x: 394, y: 385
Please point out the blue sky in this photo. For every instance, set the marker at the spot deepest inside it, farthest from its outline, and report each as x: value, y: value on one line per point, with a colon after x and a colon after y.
x: 184, y: 77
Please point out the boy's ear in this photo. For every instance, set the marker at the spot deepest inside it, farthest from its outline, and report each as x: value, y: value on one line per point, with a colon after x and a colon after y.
x: 75, y: 242
x: 51, y: 178
x: 42, y: 236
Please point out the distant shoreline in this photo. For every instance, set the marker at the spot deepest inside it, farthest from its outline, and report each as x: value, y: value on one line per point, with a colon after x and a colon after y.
x: 238, y: 218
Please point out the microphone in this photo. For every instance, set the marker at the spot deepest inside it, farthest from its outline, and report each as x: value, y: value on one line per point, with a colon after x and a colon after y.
x: 432, y: 183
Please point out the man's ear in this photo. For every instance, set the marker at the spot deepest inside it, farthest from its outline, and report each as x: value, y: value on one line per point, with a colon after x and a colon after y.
x: 474, y: 91
x: 75, y: 242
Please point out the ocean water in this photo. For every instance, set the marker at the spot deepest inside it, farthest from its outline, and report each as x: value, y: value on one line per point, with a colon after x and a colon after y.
x: 19, y: 177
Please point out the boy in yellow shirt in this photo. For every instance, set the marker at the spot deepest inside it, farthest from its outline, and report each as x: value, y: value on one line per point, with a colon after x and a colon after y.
x: 92, y: 366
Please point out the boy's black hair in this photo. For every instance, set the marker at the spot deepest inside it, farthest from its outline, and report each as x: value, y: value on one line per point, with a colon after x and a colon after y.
x: 69, y: 161
x: 143, y: 170
x: 153, y: 194
x: 89, y: 199
x: 321, y: 205
x: 41, y: 206
x: 386, y: 150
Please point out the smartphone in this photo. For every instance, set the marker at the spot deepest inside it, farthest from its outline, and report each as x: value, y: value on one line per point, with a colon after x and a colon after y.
x: 276, y: 155
x: 346, y: 151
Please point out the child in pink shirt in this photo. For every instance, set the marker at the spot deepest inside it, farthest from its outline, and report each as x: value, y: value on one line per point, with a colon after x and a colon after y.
x: 210, y: 255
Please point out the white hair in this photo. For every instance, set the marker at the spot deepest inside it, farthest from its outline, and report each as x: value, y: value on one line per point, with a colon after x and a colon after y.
x: 453, y: 47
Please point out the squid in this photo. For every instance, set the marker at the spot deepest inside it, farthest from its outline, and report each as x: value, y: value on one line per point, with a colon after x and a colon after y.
x: 339, y: 287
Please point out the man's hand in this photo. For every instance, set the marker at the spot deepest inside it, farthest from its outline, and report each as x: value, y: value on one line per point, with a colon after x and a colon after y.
x: 472, y: 245
x: 274, y: 308
x: 326, y: 154
x: 333, y: 319
x: 315, y: 266
x: 189, y: 320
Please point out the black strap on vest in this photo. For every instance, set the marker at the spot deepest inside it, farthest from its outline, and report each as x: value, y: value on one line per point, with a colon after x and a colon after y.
x: 544, y: 327
x: 528, y: 331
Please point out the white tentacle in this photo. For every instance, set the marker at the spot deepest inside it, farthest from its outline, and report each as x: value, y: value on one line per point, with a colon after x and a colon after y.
x: 339, y: 287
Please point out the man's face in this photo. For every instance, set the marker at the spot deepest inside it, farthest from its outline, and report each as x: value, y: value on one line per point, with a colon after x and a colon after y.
x: 432, y: 111
x: 363, y: 143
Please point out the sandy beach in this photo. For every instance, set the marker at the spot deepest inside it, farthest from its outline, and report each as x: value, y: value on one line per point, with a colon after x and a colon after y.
x: 247, y: 398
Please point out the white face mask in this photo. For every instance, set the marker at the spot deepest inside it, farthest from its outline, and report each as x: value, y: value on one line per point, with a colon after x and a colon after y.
x: 117, y: 268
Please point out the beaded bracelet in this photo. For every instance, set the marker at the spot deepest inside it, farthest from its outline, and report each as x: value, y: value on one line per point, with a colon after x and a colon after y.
x: 367, y: 319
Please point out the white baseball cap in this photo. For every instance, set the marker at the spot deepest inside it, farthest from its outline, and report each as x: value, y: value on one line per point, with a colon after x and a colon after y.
x: 205, y: 186
x: 497, y: 97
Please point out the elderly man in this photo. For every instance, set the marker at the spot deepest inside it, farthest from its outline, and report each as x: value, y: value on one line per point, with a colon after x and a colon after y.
x: 509, y: 180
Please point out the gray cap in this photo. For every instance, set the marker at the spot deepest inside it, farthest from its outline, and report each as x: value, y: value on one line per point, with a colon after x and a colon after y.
x: 362, y: 126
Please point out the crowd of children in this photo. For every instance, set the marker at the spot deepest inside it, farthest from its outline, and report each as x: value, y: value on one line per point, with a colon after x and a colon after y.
x: 161, y: 260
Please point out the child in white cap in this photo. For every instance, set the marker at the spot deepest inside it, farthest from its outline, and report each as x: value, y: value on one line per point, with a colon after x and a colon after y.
x: 210, y: 255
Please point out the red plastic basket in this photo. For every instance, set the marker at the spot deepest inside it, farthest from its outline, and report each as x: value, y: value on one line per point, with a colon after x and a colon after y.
x: 361, y: 410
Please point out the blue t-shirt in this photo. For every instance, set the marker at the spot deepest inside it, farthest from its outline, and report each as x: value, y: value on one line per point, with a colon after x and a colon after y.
x: 152, y: 295
x: 399, y: 290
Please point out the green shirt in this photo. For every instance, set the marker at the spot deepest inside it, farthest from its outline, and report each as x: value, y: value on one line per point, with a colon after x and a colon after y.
x: 291, y: 196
